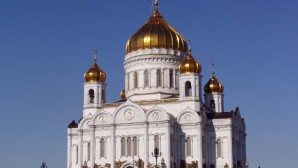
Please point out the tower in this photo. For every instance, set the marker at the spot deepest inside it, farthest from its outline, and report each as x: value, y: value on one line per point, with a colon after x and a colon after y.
x: 190, y: 78
x: 94, y: 87
x: 214, y: 93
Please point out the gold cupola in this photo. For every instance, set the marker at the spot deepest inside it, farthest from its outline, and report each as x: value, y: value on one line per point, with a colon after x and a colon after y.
x: 95, y: 73
x: 213, y: 85
x: 156, y: 33
x: 189, y: 64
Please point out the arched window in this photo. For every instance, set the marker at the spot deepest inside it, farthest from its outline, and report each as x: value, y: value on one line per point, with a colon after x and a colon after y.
x: 188, y: 146
x: 123, y: 152
x: 102, y: 147
x: 212, y: 104
x: 129, y: 147
x: 135, y: 75
x: 135, y: 146
x: 219, y: 147
x: 88, y: 151
x: 176, y: 78
x: 146, y: 78
x: 158, y: 78
x: 156, y: 141
x: 171, y: 76
x: 91, y: 96
x: 187, y: 88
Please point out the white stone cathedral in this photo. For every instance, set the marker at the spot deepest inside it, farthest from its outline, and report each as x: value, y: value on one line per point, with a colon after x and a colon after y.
x: 163, y: 118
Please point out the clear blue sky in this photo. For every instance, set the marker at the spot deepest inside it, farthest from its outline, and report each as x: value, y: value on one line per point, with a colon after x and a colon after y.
x: 46, y: 46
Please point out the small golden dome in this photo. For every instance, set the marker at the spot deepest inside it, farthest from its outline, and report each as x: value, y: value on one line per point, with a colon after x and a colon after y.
x: 95, y: 73
x: 123, y: 95
x: 213, y: 85
x: 189, y: 65
x: 156, y: 33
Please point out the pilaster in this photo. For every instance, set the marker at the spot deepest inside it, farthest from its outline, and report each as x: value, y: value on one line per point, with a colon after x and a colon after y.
x: 92, y: 143
x: 80, y: 146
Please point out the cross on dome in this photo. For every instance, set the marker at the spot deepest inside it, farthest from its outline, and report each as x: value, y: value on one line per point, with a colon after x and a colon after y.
x: 189, y: 46
x: 156, y: 4
x: 95, y: 54
x: 213, y: 71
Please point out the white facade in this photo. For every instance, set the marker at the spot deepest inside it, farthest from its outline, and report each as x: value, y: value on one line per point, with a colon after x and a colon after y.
x: 160, y: 112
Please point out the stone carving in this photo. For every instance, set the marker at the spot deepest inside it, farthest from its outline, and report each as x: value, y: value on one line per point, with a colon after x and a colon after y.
x: 150, y: 165
x: 108, y: 165
x: 118, y: 164
x: 156, y: 115
x: 129, y: 114
x: 188, y: 118
x: 140, y: 163
x: 102, y: 119
x: 193, y: 164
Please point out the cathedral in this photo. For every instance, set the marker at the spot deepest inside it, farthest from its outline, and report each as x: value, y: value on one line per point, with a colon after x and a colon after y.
x: 165, y: 117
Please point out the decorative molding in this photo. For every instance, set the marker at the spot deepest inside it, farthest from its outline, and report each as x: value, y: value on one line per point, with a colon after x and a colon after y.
x: 161, y: 51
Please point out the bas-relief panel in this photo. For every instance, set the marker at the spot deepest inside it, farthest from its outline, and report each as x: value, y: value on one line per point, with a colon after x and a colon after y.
x: 103, y: 119
x: 129, y: 115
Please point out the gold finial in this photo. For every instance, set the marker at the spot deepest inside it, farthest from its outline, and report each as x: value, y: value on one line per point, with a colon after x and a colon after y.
x: 95, y: 54
x: 189, y: 46
x: 213, y: 72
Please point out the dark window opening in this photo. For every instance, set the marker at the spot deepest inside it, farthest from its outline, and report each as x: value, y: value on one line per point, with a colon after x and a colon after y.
x: 91, y: 95
x: 188, y: 88
x: 212, y: 104
x: 171, y: 79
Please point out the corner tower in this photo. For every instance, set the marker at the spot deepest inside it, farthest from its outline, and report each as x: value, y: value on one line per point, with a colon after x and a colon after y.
x: 94, y: 87
x: 214, y: 93
x: 190, y: 78
x: 152, y: 58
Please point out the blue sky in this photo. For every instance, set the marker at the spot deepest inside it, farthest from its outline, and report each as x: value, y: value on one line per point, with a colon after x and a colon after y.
x: 46, y: 46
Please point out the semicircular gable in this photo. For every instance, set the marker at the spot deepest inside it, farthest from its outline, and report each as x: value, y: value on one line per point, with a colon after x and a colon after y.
x: 129, y: 112
x: 85, y: 122
x: 157, y: 114
x: 188, y: 116
x: 101, y: 118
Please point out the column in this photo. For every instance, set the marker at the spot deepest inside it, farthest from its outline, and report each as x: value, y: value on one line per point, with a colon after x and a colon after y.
x: 200, y: 146
x: 231, y: 145
x: 80, y: 148
x: 69, y: 149
x: 113, y: 146
x: 92, y: 145
x: 168, y: 162
x: 146, y: 143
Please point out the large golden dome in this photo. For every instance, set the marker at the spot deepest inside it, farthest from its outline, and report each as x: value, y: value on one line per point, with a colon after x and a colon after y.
x: 213, y: 85
x: 189, y: 65
x: 156, y: 33
x: 95, y: 73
